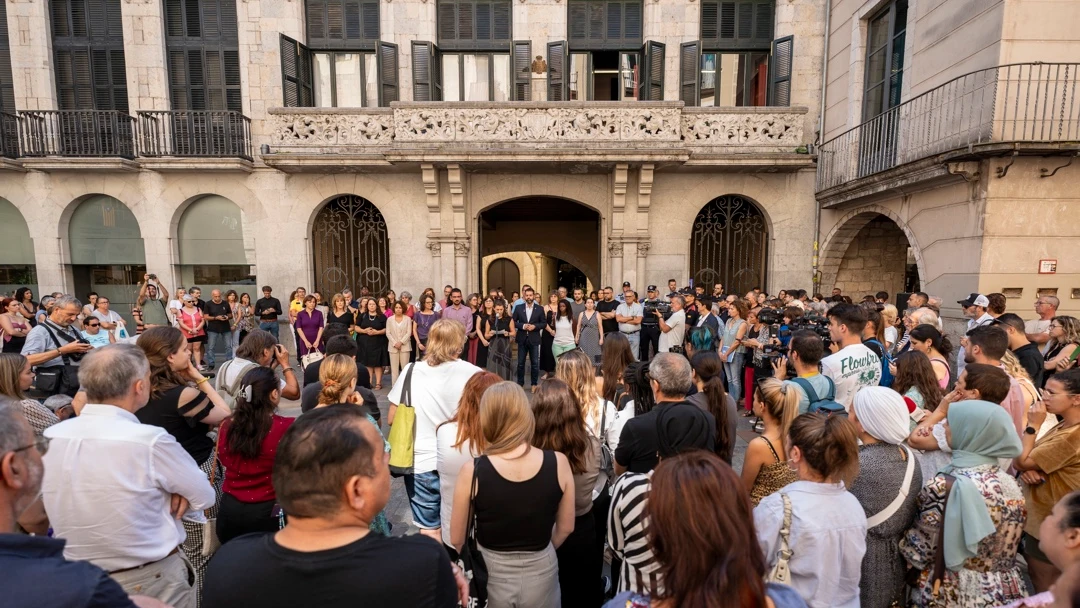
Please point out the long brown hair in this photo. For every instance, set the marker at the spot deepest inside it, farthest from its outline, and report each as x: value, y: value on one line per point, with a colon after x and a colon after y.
x: 616, y: 357
x: 577, y: 371
x: 701, y: 530
x: 467, y: 416
x: 11, y: 366
x: 829, y: 444
x: 914, y: 370
x: 158, y: 344
x: 708, y: 367
x: 559, y: 424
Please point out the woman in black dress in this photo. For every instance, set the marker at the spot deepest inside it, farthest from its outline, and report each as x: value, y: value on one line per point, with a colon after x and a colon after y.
x: 547, y: 337
x: 480, y: 317
x: 499, y: 330
x: 339, y: 312
x: 371, y: 337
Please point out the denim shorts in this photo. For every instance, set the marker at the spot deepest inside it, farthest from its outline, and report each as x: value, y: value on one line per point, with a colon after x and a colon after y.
x: 423, y: 491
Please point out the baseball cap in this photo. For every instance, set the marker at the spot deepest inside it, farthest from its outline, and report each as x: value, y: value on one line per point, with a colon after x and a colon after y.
x: 975, y: 299
x: 652, y: 288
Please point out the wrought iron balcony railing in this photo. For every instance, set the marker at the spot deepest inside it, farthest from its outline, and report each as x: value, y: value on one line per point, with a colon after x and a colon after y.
x: 1024, y: 102
x: 77, y: 133
x: 9, y: 135
x: 194, y: 133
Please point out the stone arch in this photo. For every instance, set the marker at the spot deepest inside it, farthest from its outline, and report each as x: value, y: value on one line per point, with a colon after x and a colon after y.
x: 66, y: 223
x: 835, y: 245
x: 350, y: 245
x: 503, y: 259
x: 729, y: 243
x: 181, y: 211
x: 585, y: 190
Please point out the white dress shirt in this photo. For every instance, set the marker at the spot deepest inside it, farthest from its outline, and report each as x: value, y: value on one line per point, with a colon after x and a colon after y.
x: 827, y: 540
x: 108, y: 484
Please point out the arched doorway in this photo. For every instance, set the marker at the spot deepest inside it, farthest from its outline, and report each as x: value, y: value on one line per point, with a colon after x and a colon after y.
x: 503, y: 273
x: 351, y: 247
x: 212, y: 253
x: 564, y: 233
x: 17, y: 268
x: 729, y: 244
x: 869, y: 252
x: 107, y: 254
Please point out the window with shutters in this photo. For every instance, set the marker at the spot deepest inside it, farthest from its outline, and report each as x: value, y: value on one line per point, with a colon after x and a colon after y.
x: 88, y: 52
x: 474, y: 25
x: 342, y: 24
x: 885, y: 59
x: 735, y: 25
x: 203, y: 55
x: 604, y: 24
x: 7, y: 82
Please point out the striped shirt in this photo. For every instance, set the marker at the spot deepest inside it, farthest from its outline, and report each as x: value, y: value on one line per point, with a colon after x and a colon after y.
x: 627, y: 527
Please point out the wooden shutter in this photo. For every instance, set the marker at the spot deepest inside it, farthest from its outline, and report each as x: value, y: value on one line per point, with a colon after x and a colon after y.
x: 7, y: 80
x: 652, y: 78
x: 296, y: 74
x: 202, y: 50
x: 474, y: 24
x: 342, y: 24
x: 88, y: 49
x: 690, y: 72
x: 780, y: 71
x: 605, y: 24
x: 388, y: 73
x: 522, y: 65
x: 427, y: 77
x: 557, y: 64
x: 737, y: 24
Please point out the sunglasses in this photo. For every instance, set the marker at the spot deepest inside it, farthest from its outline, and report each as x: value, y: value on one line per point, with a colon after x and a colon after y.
x: 93, y: 324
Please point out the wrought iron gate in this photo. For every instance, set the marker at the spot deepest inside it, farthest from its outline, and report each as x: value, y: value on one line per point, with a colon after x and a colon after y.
x: 729, y: 245
x: 352, y: 249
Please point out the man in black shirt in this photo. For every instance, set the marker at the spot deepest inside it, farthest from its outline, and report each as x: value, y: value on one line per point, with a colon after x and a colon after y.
x: 196, y: 293
x: 268, y: 309
x: 670, y: 379
x: 1025, y: 350
x: 650, y: 327
x: 332, y: 478
x: 217, y: 313
x: 606, y: 307
x: 673, y: 289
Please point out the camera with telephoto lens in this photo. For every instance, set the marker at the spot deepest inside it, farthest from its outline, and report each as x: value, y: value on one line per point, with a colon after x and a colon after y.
x: 651, y: 308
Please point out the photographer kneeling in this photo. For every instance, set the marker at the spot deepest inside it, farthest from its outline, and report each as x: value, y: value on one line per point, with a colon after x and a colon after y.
x: 805, y: 351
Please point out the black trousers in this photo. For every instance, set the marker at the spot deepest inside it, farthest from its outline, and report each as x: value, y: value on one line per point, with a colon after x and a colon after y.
x: 650, y: 336
x: 581, y: 564
x: 236, y: 518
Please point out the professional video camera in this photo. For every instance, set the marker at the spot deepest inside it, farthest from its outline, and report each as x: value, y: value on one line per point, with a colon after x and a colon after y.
x: 817, y: 324
x: 650, y: 309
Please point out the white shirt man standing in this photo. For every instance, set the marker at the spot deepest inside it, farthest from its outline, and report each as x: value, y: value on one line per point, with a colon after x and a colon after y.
x: 975, y: 311
x: 629, y: 315
x: 672, y: 329
x: 854, y: 365
x: 116, y: 489
x: 1038, y: 330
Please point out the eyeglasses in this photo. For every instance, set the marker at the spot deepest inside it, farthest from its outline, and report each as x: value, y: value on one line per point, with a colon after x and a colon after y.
x: 93, y: 324
x: 41, y: 443
x: 1056, y: 326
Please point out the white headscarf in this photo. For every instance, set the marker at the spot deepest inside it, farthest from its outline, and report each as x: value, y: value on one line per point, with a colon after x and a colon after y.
x: 883, y: 414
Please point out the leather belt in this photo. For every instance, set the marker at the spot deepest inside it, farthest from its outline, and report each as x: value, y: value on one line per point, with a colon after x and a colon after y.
x: 171, y: 553
x: 630, y: 332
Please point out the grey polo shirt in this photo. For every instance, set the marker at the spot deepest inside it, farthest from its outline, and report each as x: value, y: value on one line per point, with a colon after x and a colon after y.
x: 629, y: 310
x: 39, y: 341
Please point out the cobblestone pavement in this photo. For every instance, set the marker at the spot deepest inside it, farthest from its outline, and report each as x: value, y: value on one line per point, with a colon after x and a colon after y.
x: 397, y: 511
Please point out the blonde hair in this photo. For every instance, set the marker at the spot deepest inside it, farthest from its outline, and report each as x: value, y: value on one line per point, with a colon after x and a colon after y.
x: 888, y: 315
x: 446, y: 339
x: 334, y: 301
x: 577, y: 371
x: 505, y: 418
x: 337, y: 373
x: 781, y: 401
x: 1017, y: 372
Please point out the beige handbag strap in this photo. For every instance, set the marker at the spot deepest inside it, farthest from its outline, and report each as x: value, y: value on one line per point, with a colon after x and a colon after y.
x: 781, y: 572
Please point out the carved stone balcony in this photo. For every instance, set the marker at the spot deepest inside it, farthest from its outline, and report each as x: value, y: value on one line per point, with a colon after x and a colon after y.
x: 575, y: 132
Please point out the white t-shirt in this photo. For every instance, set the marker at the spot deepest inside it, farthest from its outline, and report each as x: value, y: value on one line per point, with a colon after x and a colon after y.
x: 235, y: 366
x: 676, y: 335
x: 1038, y: 326
x: 890, y: 336
x: 435, y: 395
x: 450, y: 461
x: 852, y: 368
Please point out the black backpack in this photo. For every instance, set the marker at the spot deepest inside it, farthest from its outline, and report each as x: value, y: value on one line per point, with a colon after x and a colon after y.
x: 826, y: 405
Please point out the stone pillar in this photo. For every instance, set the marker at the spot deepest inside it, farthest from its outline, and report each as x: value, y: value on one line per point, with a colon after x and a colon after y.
x: 144, y: 55
x: 30, y: 42
x: 615, y: 249
x: 435, y: 247
x: 461, y: 266
x: 639, y: 279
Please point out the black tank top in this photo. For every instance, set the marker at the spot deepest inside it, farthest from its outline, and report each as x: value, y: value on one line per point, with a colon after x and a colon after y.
x: 516, y: 515
x: 188, y: 431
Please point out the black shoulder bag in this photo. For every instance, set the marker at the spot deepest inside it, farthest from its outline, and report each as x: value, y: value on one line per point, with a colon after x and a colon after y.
x: 57, y: 379
x: 472, y: 562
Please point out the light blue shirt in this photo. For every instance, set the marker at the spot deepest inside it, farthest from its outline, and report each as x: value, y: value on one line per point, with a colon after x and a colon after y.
x: 97, y: 340
x: 818, y: 382
x: 827, y: 540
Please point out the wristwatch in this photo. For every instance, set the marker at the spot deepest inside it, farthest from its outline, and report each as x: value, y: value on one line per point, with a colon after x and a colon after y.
x: 1031, y: 430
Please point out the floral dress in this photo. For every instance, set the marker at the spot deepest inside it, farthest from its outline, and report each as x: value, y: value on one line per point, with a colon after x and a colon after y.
x: 991, y: 578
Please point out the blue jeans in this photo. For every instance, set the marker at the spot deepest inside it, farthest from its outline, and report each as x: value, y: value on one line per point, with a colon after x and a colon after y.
x: 213, y: 338
x: 733, y: 372
x: 533, y: 352
x: 424, y: 499
x: 270, y: 326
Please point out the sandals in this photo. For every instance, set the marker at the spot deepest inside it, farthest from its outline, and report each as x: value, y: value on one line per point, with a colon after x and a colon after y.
x: 378, y: 387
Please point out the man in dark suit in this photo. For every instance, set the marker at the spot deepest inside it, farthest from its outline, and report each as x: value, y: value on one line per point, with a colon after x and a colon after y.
x: 529, y: 321
x: 706, y: 319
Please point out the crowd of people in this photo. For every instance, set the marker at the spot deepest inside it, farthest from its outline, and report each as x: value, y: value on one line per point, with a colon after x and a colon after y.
x: 537, y: 443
